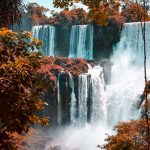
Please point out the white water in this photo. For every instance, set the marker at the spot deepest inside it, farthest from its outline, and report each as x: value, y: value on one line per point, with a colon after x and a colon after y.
x: 73, y: 109
x: 81, y: 42
x: 99, y: 97
x: 47, y: 35
x: 83, y: 94
x: 59, y: 105
x: 117, y: 101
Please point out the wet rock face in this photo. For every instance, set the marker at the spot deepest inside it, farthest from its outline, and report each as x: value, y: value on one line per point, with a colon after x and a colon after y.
x: 104, y: 39
x: 26, y: 23
x: 50, y: 97
x: 65, y: 96
x: 107, y: 65
x: 142, y: 102
x: 63, y: 41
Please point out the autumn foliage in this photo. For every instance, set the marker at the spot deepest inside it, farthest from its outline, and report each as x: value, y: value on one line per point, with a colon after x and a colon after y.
x: 105, y: 12
x: 10, y: 12
x: 38, y: 13
x: 66, y: 17
x: 130, y: 136
x: 101, y: 11
x: 70, y: 17
x: 133, y: 12
x: 20, y: 88
x: 52, y: 66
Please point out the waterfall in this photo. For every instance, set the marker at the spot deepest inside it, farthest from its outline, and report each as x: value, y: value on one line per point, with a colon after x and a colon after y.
x: 73, y: 109
x: 81, y: 42
x: 51, y: 40
x: 98, y: 95
x: 131, y: 43
x: 35, y: 34
x: 59, y: 105
x: 47, y: 35
x: 127, y: 83
x: 83, y: 94
x: 106, y: 105
x: 91, y: 98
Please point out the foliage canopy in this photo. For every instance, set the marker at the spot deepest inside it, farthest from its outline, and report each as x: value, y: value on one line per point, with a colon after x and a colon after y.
x: 20, y: 88
x: 100, y: 11
x: 130, y: 136
x: 10, y: 12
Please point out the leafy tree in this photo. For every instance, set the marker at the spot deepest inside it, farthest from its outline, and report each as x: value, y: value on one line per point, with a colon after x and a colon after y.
x: 105, y: 12
x: 130, y: 136
x: 100, y: 10
x: 38, y: 13
x: 134, y: 12
x: 10, y: 12
x: 65, y: 17
x: 69, y: 17
x: 20, y: 88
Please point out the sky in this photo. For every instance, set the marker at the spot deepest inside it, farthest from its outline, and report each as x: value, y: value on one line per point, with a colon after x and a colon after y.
x: 45, y: 3
x: 48, y: 4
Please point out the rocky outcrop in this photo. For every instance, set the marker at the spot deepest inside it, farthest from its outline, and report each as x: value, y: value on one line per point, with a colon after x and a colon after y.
x: 51, y: 69
x: 107, y: 65
x: 62, y: 43
x: 104, y: 39
x: 142, y: 103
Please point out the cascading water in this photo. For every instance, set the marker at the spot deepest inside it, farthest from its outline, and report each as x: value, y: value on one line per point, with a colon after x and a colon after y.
x: 73, y: 109
x: 127, y: 74
x: 81, y: 42
x: 98, y: 95
x: 83, y: 95
x: 131, y: 43
x: 51, y: 40
x: 47, y: 35
x: 59, y: 105
x: 114, y: 102
x: 91, y: 98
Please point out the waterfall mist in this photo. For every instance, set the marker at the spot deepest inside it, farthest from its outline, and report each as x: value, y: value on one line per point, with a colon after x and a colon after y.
x: 88, y: 128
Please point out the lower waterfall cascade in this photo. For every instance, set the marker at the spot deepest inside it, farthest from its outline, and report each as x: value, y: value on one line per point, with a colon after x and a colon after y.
x: 99, y: 106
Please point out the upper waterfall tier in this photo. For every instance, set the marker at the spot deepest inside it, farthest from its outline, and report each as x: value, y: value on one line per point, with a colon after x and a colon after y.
x: 131, y: 41
x: 81, y: 42
x: 47, y: 35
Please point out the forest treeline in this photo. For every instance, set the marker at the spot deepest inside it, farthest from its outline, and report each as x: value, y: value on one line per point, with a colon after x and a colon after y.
x: 117, y: 12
